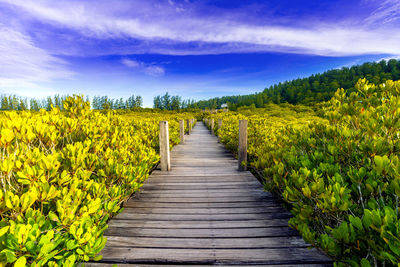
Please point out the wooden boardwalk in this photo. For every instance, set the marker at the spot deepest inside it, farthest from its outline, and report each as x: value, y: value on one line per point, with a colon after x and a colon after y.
x: 204, y: 212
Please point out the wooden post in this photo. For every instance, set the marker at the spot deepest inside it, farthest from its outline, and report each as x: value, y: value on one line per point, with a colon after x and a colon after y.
x: 242, y: 153
x: 219, y: 127
x: 164, y: 146
x: 212, y: 126
x: 182, y: 131
x: 188, y: 125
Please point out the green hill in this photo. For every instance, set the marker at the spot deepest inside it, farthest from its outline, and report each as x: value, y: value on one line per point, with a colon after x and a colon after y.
x: 314, y: 89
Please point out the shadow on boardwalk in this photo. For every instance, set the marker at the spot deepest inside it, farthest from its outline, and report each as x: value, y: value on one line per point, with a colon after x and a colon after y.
x: 204, y: 212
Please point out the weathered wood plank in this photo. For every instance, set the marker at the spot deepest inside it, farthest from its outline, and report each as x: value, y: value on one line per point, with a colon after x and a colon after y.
x: 93, y: 264
x: 263, y: 242
x: 202, y: 233
x: 207, y: 186
x: 204, y: 199
x: 238, y: 195
x: 198, y: 224
x: 201, y: 179
x: 212, y: 191
x: 173, y: 187
x: 207, y: 211
x: 213, y: 256
x: 203, y: 217
x: 150, y: 204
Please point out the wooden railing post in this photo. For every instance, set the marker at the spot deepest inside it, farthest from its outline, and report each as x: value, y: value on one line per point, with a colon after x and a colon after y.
x: 242, y: 153
x: 219, y: 127
x: 212, y: 126
x: 182, y: 131
x: 188, y: 125
x: 164, y: 147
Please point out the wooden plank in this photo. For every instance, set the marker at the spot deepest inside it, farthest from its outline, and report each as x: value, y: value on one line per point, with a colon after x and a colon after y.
x: 220, y: 199
x: 183, y: 176
x: 190, y: 185
x: 209, y: 211
x: 213, y: 256
x: 199, y: 224
x: 93, y: 264
x: 166, y: 194
x: 264, y: 242
x: 150, y: 204
x: 214, y: 191
x: 204, y: 179
x: 202, y: 233
x: 203, y: 217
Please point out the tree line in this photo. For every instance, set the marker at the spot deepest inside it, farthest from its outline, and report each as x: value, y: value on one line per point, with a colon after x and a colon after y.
x: 14, y: 102
x: 104, y: 102
x: 168, y: 102
x: 313, y: 89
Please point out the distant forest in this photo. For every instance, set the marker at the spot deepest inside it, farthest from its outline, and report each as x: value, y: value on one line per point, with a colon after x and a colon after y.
x: 307, y: 91
x: 314, y: 89
x: 14, y: 102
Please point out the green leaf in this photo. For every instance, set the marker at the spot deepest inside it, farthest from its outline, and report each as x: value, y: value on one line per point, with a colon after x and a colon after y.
x: 367, y: 219
x: 365, y: 263
x: 4, y: 230
x: 30, y: 246
x: 21, y: 262
x: 98, y: 257
x: 7, y: 135
x: 71, y: 244
x: 356, y: 222
x: 10, y: 255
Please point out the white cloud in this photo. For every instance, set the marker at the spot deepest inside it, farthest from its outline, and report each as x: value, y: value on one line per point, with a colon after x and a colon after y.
x: 22, y: 64
x: 24, y: 88
x: 389, y: 58
x: 148, y: 69
x: 154, y: 71
x: 388, y: 12
x: 20, y: 58
x: 330, y: 40
x: 130, y: 63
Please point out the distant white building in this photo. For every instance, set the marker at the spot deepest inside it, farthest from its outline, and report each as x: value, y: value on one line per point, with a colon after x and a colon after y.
x: 224, y: 107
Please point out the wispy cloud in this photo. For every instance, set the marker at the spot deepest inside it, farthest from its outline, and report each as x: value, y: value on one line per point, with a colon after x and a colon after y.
x: 149, y: 69
x: 389, y: 58
x: 183, y: 32
x: 387, y: 12
x: 22, y: 64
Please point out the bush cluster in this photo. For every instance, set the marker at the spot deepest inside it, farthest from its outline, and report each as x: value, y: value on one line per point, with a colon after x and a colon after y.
x: 64, y: 174
x: 340, y: 173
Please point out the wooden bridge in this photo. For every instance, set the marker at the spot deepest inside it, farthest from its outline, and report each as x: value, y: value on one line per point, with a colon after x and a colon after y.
x: 204, y: 212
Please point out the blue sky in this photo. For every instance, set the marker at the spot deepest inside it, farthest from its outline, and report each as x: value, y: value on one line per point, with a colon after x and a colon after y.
x: 197, y: 49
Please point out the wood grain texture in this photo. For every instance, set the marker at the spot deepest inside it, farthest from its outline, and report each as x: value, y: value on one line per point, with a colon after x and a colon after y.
x: 213, y: 256
x: 204, y: 212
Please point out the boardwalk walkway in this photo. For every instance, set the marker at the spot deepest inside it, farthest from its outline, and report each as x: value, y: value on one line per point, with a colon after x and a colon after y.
x: 204, y: 212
